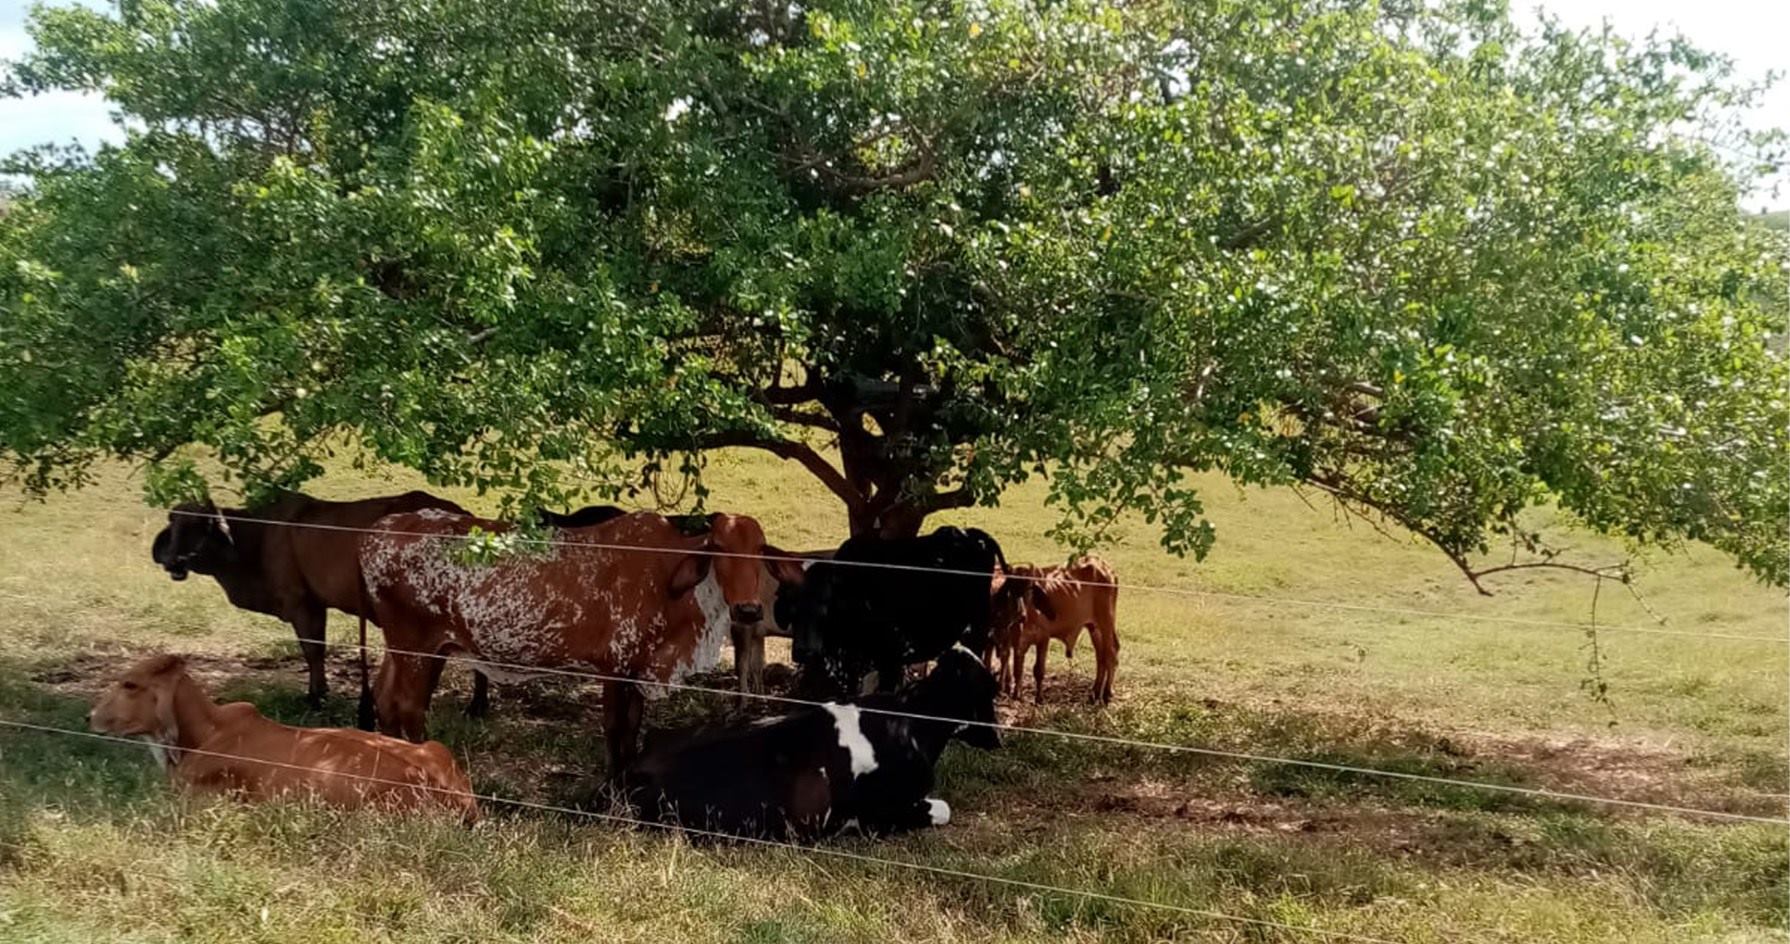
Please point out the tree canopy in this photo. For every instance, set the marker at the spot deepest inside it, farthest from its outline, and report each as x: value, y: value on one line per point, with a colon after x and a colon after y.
x: 1399, y: 253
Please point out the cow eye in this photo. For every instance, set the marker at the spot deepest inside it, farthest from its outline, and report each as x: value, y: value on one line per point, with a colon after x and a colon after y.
x: 128, y: 686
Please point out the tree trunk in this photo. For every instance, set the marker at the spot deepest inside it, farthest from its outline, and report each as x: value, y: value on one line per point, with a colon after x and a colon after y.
x: 900, y: 521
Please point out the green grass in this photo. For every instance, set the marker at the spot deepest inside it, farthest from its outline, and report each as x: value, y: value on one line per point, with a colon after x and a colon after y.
x: 94, y: 847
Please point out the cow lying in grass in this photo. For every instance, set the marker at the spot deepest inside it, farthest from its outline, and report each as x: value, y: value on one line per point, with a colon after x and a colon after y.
x: 232, y: 749
x: 818, y: 771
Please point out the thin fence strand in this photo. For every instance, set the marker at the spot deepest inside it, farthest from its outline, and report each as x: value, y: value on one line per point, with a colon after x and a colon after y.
x: 1135, y: 587
x: 727, y: 837
x: 523, y: 668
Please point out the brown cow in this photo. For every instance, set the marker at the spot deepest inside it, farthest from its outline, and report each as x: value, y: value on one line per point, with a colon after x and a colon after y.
x: 233, y: 749
x: 650, y: 614
x: 296, y: 569
x: 1037, y: 604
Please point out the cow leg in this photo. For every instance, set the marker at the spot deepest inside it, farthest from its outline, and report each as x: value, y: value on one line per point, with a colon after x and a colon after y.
x: 402, y: 694
x: 1017, y: 670
x: 311, y: 623
x: 920, y: 814
x: 1038, y: 671
x: 1106, y: 665
x: 623, y: 709
x: 480, y: 705
x: 748, y: 660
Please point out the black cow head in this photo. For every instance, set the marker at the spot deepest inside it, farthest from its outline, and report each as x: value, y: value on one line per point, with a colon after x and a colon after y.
x: 196, y: 540
x: 960, y: 686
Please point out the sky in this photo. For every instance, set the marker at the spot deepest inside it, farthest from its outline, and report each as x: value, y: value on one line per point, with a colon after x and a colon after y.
x: 1752, y: 32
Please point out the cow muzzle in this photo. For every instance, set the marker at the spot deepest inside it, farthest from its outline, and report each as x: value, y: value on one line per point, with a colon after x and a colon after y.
x: 748, y: 613
x: 177, y: 571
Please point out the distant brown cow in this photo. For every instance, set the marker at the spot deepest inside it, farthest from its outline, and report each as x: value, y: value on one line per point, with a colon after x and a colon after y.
x: 652, y: 614
x: 232, y: 749
x: 1037, y: 604
x: 296, y: 569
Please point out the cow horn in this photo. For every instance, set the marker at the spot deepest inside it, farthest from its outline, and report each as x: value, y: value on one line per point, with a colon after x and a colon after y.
x: 224, y: 525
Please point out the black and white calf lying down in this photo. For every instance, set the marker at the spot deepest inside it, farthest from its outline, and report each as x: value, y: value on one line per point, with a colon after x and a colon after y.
x: 818, y: 771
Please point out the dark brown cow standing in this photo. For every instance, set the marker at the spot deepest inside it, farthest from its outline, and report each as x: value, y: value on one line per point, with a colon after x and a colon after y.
x: 296, y: 569
x: 640, y: 607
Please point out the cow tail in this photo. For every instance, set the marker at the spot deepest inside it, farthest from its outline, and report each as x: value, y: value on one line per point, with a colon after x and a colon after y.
x: 366, y: 715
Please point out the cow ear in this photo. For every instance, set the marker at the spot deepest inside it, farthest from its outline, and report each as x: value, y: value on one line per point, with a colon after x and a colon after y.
x: 1041, y: 600
x: 783, y: 565
x: 159, y: 551
x: 690, y: 572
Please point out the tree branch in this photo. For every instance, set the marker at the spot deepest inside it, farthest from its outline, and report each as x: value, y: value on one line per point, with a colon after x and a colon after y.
x: 790, y: 396
x: 1347, y: 495
x: 816, y: 464
x: 812, y: 420
x: 940, y: 501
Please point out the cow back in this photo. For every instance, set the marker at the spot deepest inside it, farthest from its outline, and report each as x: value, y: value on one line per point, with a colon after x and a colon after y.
x: 596, y: 598
x: 320, y: 551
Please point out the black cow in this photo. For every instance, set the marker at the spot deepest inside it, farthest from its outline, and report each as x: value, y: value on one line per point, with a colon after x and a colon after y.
x: 883, y: 605
x: 297, y: 568
x: 817, y: 771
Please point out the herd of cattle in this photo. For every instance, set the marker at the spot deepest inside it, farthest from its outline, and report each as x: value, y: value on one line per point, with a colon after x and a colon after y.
x: 634, y: 599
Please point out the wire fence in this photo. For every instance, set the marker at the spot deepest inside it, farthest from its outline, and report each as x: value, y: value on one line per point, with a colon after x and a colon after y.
x: 476, y: 662
x: 1208, y: 751
x: 1133, y: 587
x: 1134, y: 743
x: 815, y: 850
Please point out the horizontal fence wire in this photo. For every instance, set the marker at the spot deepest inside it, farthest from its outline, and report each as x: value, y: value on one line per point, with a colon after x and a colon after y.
x: 728, y: 837
x: 1136, y: 587
x: 475, y: 662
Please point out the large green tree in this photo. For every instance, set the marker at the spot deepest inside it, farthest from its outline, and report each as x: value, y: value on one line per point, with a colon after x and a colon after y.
x: 1397, y: 252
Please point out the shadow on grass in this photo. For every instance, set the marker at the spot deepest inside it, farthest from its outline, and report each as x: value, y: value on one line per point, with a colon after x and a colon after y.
x: 1677, y: 868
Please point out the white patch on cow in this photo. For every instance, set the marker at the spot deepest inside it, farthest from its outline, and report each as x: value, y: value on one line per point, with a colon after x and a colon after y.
x: 851, y: 737
x: 711, y: 635
x: 871, y: 682
x: 164, y: 756
x: 940, y: 810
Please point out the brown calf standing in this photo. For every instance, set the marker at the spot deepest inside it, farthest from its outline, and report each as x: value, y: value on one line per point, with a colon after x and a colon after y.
x: 1037, y: 604
x: 233, y: 749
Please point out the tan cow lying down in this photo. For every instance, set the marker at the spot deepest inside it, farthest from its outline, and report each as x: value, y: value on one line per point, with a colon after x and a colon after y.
x: 1034, y: 605
x: 250, y: 756
x: 632, y: 598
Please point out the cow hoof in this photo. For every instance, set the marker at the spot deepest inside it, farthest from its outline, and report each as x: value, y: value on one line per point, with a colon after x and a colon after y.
x: 939, y: 810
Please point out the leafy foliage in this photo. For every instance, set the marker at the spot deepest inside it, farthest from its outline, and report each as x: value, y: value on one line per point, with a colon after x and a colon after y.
x: 1398, y: 253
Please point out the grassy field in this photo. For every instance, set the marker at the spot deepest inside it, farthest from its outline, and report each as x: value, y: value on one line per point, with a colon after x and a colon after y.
x: 94, y: 847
